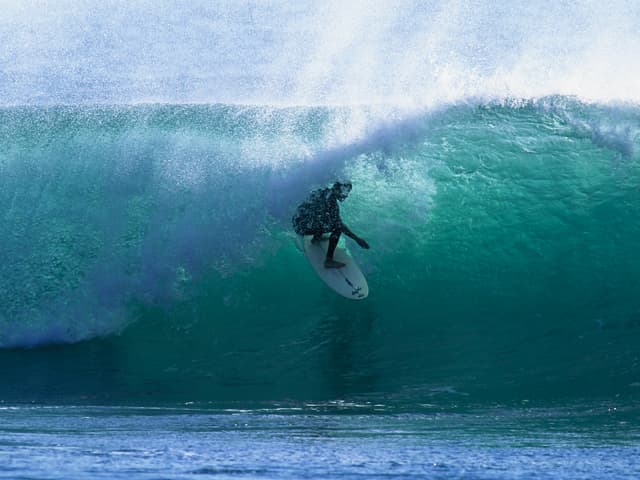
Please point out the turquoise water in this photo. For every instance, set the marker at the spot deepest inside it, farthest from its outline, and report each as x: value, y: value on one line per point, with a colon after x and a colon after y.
x: 148, y: 252
x: 157, y: 320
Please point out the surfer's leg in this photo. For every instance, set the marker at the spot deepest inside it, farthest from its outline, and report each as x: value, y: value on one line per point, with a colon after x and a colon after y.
x: 329, y: 262
x: 333, y: 243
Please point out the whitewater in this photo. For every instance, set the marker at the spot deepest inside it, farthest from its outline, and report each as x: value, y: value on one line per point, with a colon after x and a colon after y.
x: 157, y: 319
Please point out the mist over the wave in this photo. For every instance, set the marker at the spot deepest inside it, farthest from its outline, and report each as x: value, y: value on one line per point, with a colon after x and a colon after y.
x: 401, y: 52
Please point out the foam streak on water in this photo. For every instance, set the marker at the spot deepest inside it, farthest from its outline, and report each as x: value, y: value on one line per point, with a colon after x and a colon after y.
x: 68, y: 442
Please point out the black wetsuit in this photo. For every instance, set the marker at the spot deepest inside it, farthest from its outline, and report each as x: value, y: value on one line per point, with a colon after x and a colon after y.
x: 318, y: 214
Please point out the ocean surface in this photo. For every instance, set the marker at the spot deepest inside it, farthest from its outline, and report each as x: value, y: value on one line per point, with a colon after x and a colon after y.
x: 157, y: 320
x: 316, y: 442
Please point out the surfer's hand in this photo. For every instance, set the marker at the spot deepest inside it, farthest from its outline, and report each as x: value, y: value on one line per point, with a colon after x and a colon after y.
x: 362, y: 243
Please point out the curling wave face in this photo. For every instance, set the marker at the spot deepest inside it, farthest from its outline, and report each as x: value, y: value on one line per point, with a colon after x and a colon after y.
x: 503, y: 261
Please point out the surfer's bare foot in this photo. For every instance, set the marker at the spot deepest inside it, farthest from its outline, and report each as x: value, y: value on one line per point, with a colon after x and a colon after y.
x: 333, y: 264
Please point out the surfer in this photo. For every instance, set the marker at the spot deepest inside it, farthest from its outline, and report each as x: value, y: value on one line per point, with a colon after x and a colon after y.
x: 320, y: 214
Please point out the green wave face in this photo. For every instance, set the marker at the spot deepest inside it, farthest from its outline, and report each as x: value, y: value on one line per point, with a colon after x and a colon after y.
x: 148, y: 255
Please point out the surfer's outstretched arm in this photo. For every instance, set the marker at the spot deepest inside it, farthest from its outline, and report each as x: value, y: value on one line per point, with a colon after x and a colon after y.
x: 350, y: 234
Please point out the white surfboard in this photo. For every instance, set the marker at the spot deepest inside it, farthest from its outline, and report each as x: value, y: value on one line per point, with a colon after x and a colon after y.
x: 348, y: 281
